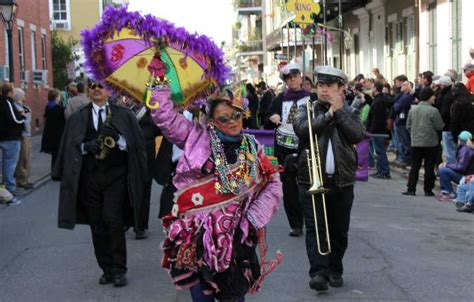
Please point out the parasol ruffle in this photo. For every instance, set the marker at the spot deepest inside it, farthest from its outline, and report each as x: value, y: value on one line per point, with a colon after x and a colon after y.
x: 152, y: 30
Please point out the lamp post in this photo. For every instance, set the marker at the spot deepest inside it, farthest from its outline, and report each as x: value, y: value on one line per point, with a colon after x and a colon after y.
x: 8, y: 10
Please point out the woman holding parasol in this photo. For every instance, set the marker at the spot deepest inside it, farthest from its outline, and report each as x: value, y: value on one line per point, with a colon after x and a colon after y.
x: 227, y: 189
x: 227, y: 192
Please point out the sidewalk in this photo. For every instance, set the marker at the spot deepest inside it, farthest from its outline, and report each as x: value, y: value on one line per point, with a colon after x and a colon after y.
x: 40, y: 166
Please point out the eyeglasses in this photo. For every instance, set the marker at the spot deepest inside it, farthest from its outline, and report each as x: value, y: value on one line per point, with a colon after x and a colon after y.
x: 224, y: 119
x: 95, y: 85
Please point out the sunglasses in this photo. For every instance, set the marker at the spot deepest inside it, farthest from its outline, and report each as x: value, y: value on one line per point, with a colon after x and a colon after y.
x: 96, y: 85
x: 224, y: 119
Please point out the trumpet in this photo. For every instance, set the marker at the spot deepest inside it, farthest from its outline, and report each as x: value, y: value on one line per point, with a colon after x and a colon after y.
x: 106, y: 142
x: 316, y: 180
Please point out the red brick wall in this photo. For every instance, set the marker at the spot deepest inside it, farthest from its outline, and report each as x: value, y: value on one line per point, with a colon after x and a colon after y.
x: 34, y: 12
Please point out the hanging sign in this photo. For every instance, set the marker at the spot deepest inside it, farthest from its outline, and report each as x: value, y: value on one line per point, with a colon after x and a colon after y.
x: 303, y: 10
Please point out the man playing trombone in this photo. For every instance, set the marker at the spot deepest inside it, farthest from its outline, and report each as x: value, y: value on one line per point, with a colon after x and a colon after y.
x: 336, y: 128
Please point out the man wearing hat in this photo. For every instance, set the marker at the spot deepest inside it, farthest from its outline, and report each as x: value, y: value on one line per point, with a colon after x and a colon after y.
x: 280, y: 116
x: 424, y: 121
x: 338, y: 129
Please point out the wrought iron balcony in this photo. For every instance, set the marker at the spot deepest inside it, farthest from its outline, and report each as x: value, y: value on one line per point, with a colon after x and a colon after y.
x: 248, y: 7
x: 247, y: 3
x: 250, y: 46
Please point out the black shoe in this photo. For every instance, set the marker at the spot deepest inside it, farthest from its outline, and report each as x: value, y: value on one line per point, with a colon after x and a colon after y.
x: 335, y: 281
x: 319, y: 283
x: 381, y: 176
x: 429, y: 194
x: 120, y: 280
x: 140, y: 235
x: 106, y: 279
x: 25, y: 185
x: 409, y: 193
x: 467, y: 208
x: 295, y: 232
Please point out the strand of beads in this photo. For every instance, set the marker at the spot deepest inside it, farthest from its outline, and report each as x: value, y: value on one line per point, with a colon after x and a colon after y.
x: 227, y: 181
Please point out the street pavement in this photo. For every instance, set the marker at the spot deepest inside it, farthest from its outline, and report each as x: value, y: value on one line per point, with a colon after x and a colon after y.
x: 400, y: 249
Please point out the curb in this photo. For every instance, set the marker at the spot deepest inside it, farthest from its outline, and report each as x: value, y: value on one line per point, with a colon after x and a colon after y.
x: 38, y: 184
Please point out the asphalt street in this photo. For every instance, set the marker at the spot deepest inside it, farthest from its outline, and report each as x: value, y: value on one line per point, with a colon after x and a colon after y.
x: 400, y: 249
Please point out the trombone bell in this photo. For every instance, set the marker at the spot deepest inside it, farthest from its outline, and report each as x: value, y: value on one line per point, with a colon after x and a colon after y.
x: 315, y: 189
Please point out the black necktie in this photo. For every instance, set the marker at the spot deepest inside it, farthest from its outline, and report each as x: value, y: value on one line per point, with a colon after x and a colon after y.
x: 100, y: 121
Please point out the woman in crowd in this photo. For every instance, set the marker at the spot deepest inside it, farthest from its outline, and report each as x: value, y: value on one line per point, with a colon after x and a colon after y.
x: 307, y: 84
x: 464, y: 165
x: 22, y: 172
x: 54, y: 123
x: 227, y: 191
x: 252, y: 96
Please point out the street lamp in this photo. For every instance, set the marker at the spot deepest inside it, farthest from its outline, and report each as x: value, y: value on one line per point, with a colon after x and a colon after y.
x: 8, y: 10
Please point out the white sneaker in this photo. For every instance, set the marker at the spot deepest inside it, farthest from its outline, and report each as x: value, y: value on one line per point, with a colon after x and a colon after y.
x: 5, y: 195
x: 15, y: 201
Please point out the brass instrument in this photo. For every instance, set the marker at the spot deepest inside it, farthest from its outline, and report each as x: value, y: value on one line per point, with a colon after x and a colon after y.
x: 106, y: 142
x: 316, y: 179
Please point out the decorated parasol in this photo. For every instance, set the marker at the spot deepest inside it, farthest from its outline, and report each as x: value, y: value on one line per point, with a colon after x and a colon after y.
x: 132, y: 54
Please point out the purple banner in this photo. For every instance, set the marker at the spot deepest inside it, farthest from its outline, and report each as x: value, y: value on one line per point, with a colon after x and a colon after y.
x: 264, y: 137
x: 362, y: 173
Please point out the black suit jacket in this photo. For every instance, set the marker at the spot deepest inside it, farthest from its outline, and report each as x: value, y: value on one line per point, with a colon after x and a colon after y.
x: 69, y: 164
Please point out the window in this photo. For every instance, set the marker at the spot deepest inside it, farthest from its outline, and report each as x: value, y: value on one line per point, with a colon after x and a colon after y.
x: 432, y: 40
x: 60, y: 14
x: 59, y: 10
x: 356, y: 52
x: 409, y: 34
x: 43, y: 51
x: 399, y: 36
x: 33, y: 49
x: 21, y: 48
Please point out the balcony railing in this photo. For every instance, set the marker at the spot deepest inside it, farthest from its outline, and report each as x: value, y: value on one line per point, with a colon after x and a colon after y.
x: 247, y: 3
x: 250, y: 46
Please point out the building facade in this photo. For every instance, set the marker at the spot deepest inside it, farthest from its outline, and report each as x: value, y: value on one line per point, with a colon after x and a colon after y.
x: 32, y: 64
x: 70, y: 17
x: 398, y: 37
x: 248, y: 40
x: 406, y: 37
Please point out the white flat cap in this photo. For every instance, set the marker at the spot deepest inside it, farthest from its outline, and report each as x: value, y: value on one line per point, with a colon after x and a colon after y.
x: 329, y: 74
x: 290, y: 68
x: 443, y: 80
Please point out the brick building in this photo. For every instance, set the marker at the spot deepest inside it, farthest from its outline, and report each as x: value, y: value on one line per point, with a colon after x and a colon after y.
x: 31, y: 37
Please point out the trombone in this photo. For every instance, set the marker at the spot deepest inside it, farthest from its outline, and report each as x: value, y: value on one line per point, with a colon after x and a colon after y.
x: 316, y: 179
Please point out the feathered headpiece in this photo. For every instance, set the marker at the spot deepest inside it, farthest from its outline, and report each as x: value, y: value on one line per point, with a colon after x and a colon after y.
x: 235, y: 98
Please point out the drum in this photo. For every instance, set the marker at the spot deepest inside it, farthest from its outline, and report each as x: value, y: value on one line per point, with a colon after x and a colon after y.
x: 286, y: 137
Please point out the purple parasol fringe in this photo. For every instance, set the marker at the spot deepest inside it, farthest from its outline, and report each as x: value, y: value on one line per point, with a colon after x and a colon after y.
x: 151, y: 28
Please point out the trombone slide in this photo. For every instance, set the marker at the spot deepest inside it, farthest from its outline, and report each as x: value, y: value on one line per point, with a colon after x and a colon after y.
x: 316, y: 180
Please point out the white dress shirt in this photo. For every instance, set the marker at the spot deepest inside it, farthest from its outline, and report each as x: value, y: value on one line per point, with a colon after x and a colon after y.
x: 330, y: 166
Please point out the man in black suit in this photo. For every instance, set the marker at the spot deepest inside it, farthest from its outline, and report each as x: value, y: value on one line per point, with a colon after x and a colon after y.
x: 106, y: 193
